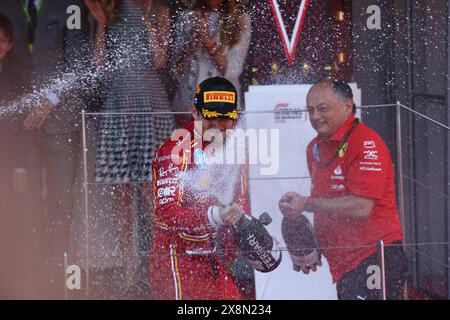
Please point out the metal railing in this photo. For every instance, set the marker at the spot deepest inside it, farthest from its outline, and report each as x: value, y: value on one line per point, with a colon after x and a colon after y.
x: 400, y: 172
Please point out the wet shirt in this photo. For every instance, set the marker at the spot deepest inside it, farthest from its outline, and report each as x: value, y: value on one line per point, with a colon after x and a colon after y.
x: 189, y: 257
x: 181, y: 212
x: 362, y: 167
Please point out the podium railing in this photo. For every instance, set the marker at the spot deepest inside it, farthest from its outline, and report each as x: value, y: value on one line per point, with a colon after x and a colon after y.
x: 400, y: 174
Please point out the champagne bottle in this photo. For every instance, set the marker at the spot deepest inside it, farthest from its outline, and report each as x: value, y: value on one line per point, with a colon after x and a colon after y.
x: 257, y: 244
x: 299, y: 238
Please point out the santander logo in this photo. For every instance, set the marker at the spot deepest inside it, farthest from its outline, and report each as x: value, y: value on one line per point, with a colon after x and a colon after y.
x: 290, y: 44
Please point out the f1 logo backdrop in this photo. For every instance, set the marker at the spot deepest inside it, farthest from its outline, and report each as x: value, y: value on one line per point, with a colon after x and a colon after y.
x: 289, y: 43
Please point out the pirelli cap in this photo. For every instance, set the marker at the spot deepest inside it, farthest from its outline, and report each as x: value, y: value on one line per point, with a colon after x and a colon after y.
x: 216, y: 98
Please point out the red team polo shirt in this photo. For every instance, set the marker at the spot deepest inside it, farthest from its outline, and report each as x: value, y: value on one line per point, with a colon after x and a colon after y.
x: 363, y: 168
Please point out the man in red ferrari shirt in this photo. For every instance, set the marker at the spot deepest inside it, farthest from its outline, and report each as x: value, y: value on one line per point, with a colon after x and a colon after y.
x: 352, y: 196
x: 193, y: 246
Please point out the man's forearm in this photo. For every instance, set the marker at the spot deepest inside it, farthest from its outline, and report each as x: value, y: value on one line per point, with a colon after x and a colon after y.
x: 343, y: 207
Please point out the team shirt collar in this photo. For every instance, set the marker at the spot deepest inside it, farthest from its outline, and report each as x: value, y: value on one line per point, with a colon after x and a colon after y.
x: 340, y: 133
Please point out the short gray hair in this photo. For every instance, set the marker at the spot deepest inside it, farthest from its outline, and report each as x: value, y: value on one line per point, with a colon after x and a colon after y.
x: 340, y: 87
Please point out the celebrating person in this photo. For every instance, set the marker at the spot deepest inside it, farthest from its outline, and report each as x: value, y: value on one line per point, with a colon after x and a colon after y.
x: 211, y: 40
x: 352, y: 195
x: 47, y: 48
x: 132, y: 35
x: 193, y: 228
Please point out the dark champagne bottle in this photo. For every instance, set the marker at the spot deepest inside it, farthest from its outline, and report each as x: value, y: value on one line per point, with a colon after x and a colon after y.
x: 299, y: 238
x: 257, y: 244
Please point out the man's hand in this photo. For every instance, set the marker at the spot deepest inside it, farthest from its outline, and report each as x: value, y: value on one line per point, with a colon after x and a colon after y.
x: 38, y: 115
x: 307, y: 263
x: 292, y: 204
x: 231, y: 214
x: 20, y: 181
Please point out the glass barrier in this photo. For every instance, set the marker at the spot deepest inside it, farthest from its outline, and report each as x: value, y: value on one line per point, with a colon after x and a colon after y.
x: 139, y: 232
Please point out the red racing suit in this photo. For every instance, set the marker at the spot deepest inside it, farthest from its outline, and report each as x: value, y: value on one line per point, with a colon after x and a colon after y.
x: 189, y: 257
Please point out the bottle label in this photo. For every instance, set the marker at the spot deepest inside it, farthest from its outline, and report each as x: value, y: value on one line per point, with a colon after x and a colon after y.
x: 262, y: 259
